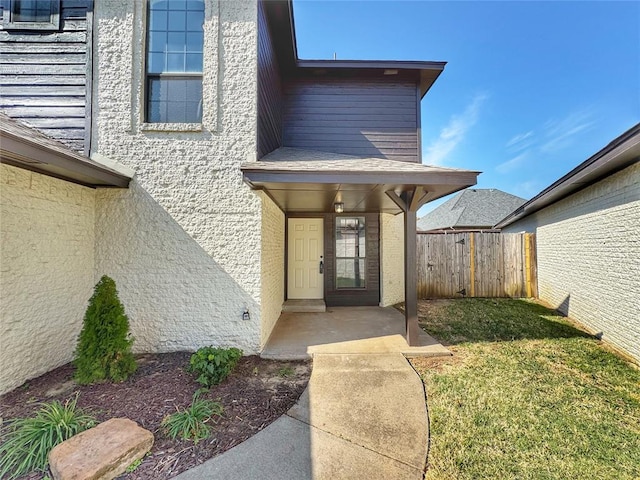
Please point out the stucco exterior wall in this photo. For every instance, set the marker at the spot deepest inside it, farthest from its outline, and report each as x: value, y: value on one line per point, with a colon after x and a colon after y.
x: 272, y: 275
x: 184, y: 242
x: 46, y: 271
x: 589, y: 257
x: 391, y: 259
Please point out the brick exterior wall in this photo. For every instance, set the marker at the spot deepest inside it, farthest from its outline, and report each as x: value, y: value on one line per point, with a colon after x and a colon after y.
x: 46, y: 271
x: 588, y: 249
x: 391, y: 259
x: 184, y: 242
x: 272, y: 274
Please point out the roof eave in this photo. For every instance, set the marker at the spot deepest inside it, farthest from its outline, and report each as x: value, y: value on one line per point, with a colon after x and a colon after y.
x: 373, y: 64
x: 27, y: 153
x: 622, y: 152
x: 281, y: 13
x: 426, y: 71
x: 466, y: 178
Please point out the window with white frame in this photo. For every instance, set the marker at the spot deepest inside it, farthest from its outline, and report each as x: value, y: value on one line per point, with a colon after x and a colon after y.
x: 32, y: 15
x: 175, y: 38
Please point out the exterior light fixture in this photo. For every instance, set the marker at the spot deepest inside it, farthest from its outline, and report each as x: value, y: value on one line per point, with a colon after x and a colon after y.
x: 338, y: 207
x: 245, y: 315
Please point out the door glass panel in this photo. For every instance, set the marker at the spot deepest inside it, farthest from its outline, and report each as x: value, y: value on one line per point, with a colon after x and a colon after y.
x: 350, y: 252
x: 350, y: 273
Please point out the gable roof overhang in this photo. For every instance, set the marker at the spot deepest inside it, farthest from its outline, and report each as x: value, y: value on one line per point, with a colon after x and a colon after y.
x: 622, y: 152
x: 282, y: 26
x: 24, y: 147
x: 309, y: 181
x: 424, y: 73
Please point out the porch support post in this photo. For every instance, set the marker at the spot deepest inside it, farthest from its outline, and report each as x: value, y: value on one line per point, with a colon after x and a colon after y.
x: 410, y: 259
x: 410, y: 201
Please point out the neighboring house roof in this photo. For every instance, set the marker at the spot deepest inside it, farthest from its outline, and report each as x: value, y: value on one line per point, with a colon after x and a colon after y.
x: 622, y: 152
x: 309, y: 180
x: 25, y: 147
x: 472, y: 208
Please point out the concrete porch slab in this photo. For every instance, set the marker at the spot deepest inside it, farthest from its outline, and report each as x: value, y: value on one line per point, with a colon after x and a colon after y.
x: 304, y: 306
x: 342, y: 330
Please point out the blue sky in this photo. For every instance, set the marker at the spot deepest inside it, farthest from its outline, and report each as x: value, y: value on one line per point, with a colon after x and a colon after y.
x: 531, y: 88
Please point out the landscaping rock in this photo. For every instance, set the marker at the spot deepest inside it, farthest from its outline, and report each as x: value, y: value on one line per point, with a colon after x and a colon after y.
x: 102, y: 452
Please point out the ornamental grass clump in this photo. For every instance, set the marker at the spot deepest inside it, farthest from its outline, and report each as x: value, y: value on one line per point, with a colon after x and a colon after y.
x: 213, y: 364
x: 104, y: 345
x: 191, y: 423
x: 26, y: 442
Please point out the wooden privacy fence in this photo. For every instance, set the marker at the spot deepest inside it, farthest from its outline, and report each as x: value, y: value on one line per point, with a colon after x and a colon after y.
x: 476, y: 265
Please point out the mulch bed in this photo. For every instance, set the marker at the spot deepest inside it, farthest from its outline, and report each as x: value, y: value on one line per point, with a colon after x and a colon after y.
x: 256, y: 393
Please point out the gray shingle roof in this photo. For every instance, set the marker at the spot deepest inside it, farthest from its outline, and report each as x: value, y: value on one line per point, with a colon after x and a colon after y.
x: 472, y: 208
x: 300, y: 160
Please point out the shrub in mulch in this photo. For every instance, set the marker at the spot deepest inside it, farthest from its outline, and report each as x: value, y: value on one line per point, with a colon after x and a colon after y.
x: 253, y: 395
x: 104, y: 345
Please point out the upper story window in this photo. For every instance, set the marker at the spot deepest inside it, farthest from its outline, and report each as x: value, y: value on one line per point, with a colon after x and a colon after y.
x: 32, y: 15
x: 175, y: 38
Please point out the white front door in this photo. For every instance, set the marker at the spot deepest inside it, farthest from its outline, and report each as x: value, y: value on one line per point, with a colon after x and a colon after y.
x: 304, y: 256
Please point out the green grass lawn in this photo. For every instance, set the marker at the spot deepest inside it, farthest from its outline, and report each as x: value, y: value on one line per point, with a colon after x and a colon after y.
x: 526, y: 395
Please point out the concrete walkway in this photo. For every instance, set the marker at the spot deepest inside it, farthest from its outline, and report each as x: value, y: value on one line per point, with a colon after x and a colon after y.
x: 361, y: 416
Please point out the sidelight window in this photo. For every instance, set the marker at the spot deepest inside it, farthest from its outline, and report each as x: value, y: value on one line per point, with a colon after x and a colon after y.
x: 350, y: 253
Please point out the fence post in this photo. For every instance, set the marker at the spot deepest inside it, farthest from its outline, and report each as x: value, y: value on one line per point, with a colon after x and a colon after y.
x: 472, y: 263
x: 527, y: 260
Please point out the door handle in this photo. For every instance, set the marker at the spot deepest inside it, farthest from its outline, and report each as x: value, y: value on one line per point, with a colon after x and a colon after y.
x: 321, y: 266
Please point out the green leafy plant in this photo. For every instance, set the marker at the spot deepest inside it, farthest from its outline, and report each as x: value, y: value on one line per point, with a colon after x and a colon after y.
x: 212, y: 364
x: 285, y: 372
x: 104, y: 345
x: 191, y: 423
x: 26, y: 442
x: 134, y: 466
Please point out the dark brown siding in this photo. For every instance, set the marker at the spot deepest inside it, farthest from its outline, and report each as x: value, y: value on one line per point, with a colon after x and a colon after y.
x: 269, y: 90
x: 353, y: 116
x: 45, y: 76
x: 357, y: 297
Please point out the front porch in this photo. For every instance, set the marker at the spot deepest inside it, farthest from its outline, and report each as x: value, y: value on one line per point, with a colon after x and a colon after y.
x: 318, y: 188
x: 342, y: 330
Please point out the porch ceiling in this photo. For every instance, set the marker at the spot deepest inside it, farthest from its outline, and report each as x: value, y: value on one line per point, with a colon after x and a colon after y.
x: 310, y: 181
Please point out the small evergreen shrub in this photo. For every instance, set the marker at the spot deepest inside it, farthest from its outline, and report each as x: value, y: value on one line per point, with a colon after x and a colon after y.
x: 104, y: 345
x: 191, y: 423
x: 26, y: 442
x: 213, y: 364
